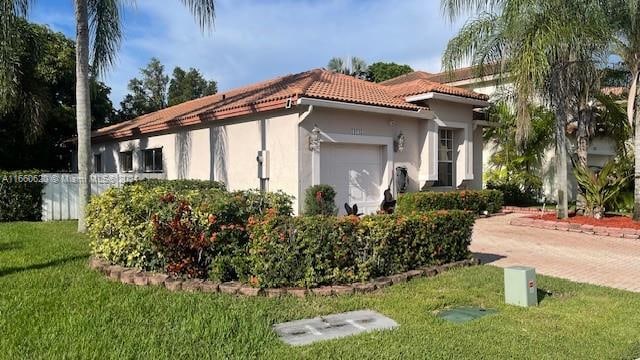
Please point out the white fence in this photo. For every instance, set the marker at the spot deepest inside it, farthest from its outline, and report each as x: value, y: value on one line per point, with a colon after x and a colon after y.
x: 60, y: 195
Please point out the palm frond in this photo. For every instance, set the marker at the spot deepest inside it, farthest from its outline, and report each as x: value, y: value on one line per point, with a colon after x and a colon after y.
x: 203, y: 11
x: 11, y: 12
x: 105, y: 25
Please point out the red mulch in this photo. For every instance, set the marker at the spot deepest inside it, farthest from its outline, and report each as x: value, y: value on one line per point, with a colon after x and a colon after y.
x: 609, y: 220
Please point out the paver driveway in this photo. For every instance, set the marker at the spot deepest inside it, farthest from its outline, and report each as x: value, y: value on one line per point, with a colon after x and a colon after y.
x: 599, y: 260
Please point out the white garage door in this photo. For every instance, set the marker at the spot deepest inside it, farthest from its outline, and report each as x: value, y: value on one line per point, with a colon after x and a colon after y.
x: 355, y: 172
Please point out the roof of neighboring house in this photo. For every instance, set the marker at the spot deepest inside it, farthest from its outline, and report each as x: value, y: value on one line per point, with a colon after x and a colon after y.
x: 421, y: 86
x: 273, y: 94
x: 415, y: 75
x: 444, y: 77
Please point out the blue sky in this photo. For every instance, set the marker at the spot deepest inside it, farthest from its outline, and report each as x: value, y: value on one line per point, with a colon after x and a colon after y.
x: 255, y: 40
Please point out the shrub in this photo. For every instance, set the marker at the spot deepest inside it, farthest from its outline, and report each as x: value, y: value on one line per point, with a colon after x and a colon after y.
x: 517, y: 195
x: 314, y: 250
x: 135, y: 225
x: 178, y: 185
x: 320, y: 200
x: 599, y: 188
x: 475, y: 201
x: 20, y: 195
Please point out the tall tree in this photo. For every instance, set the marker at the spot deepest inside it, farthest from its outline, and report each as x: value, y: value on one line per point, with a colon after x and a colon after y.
x: 45, y: 78
x: 189, y: 85
x: 100, y: 22
x: 381, y: 71
x: 155, y: 82
x: 542, y: 47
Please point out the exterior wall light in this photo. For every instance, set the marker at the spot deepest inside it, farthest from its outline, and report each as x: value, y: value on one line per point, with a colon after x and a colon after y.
x: 400, y: 142
x: 314, y: 139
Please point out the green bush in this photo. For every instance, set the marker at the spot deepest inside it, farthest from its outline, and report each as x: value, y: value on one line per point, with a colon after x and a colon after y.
x: 123, y: 223
x: 21, y: 195
x: 476, y: 201
x: 314, y: 250
x: 517, y: 195
x: 320, y: 200
x: 178, y: 185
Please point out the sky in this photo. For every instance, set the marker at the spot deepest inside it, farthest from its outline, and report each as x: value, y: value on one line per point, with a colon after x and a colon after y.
x: 255, y: 40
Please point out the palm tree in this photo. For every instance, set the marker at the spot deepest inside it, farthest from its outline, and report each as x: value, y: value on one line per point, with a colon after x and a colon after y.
x: 626, y: 44
x: 98, y: 21
x: 353, y: 66
x: 543, y: 47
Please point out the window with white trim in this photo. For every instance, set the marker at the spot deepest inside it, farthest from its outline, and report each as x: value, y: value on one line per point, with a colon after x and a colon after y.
x: 97, y: 163
x: 445, y: 158
x: 126, y: 161
x: 152, y: 160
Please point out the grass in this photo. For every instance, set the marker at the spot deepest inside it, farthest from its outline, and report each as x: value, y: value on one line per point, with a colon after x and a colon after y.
x: 53, y: 306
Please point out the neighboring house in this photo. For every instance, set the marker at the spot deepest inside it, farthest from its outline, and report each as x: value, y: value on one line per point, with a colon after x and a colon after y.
x: 309, y: 128
x: 601, y: 148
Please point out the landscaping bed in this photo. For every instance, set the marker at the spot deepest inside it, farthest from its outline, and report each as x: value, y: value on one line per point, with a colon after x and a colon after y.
x: 615, y: 226
x: 200, y: 231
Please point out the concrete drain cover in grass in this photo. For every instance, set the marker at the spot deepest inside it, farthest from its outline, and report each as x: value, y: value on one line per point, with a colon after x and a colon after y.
x: 464, y: 314
x: 307, y: 331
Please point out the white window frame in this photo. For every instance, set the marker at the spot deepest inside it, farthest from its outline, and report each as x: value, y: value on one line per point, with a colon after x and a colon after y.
x: 98, y: 169
x: 121, y: 156
x: 153, y: 159
x: 450, y: 138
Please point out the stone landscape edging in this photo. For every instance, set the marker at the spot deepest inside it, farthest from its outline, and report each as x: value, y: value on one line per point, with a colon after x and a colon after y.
x: 138, y: 277
x: 525, y: 210
x: 579, y: 228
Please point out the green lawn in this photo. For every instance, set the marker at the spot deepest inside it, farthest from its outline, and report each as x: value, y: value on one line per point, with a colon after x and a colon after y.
x: 53, y: 306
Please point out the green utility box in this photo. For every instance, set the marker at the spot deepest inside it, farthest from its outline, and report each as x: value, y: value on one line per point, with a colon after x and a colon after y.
x: 520, y: 287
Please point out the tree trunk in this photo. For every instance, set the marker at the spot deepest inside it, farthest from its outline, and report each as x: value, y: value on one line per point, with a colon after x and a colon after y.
x: 561, y: 163
x: 582, y: 138
x: 83, y: 110
x: 631, y: 99
x: 636, y: 151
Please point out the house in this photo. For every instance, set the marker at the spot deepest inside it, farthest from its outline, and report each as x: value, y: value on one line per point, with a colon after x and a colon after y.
x: 309, y: 128
x: 601, y: 147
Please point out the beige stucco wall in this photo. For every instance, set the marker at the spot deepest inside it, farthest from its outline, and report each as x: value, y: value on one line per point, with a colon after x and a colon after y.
x: 458, y: 117
x: 366, y: 124
x: 185, y: 153
x: 224, y: 152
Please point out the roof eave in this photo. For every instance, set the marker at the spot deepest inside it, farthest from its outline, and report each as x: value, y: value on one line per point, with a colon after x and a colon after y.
x: 447, y: 97
x: 421, y: 113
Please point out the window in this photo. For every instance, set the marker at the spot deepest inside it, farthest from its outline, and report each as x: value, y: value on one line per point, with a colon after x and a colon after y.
x: 152, y: 160
x: 445, y: 159
x: 126, y: 161
x: 97, y: 163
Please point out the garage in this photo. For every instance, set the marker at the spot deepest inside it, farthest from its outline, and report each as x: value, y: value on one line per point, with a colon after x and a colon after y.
x: 355, y: 171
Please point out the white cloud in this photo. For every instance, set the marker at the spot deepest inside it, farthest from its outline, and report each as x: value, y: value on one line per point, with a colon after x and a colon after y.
x: 255, y: 40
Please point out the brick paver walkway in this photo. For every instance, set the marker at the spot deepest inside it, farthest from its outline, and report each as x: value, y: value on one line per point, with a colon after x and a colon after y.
x: 599, y: 260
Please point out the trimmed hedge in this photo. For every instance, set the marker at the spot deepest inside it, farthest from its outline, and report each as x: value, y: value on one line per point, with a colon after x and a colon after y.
x: 199, y: 231
x: 315, y: 250
x: 21, y: 195
x: 476, y: 201
x: 129, y: 225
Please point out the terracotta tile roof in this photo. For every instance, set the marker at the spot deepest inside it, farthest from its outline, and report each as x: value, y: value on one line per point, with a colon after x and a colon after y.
x: 444, y: 77
x: 421, y: 86
x: 465, y: 73
x: 408, y: 77
x: 271, y: 95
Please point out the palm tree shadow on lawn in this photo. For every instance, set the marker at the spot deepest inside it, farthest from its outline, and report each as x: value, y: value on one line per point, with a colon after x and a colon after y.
x: 48, y: 264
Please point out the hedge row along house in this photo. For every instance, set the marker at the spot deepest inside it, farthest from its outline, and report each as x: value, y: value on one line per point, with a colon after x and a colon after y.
x: 310, y: 128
